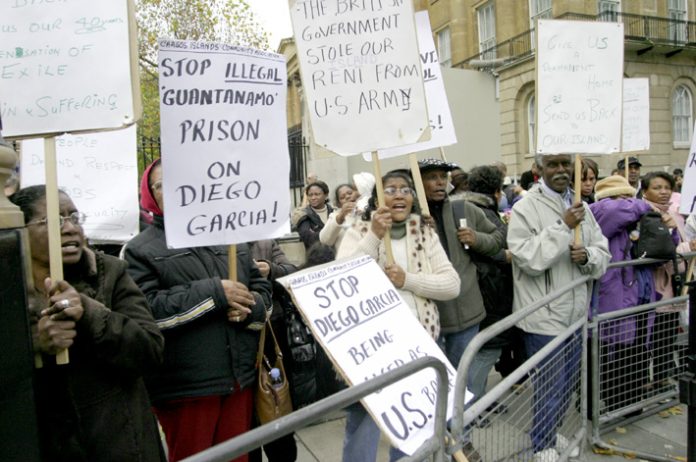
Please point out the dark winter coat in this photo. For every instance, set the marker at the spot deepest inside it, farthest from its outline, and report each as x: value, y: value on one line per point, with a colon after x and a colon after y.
x: 96, y: 407
x: 309, y: 225
x: 205, y: 354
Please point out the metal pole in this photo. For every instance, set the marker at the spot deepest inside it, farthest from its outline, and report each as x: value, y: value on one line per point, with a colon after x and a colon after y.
x: 687, y: 384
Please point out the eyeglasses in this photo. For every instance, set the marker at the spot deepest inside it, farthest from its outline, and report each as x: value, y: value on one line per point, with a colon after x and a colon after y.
x: 404, y: 191
x: 76, y: 218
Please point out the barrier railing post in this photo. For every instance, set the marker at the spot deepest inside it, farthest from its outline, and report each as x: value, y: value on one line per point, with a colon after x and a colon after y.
x: 687, y: 384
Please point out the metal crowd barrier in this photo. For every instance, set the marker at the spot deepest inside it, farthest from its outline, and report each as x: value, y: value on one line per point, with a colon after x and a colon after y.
x: 637, y: 358
x: 433, y: 447
x: 509, y: 414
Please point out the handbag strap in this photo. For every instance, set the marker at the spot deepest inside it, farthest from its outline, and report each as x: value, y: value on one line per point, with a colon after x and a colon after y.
x: 262, y: 343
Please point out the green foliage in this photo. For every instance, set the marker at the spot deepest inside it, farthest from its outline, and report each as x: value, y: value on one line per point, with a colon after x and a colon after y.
x: 228, y: 21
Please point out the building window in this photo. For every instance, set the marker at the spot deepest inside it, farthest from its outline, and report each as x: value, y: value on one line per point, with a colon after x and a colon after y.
x: 538, y: 9
x: 682, y: 110
x: 486, y: 29
x: 531, y: 125
x: 608, y: 10
x: 677, y: 23
x: 444, y: 47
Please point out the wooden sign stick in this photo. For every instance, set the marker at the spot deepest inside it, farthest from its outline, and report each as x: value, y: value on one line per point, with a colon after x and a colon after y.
x: 232, y: 261
x: 379, y: 187
x: 626, y: 167
x: 442, y: 154
x: 418, y: 183
x: 578, y: 197
x: 55, y: 253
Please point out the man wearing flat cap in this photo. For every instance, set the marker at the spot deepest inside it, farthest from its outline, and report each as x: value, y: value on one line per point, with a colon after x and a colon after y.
x: 460, y: 317
x: 634, y: 166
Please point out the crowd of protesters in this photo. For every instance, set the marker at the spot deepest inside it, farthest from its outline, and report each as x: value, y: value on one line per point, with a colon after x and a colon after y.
x: 165, y: 337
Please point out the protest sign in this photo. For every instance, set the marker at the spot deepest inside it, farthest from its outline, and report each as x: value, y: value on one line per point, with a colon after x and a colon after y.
x: 67, y: 66
x: 366, y: 328
x: 99, y: 172
x: 688, y: 192
x: 636, y: 115
x: 579, y: 79
x: 225, y: 162
x: 362, y: 75
x: 441, y: 125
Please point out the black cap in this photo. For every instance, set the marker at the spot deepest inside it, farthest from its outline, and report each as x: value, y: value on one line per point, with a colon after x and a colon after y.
x: 631, y: 161
x: 436, y: 164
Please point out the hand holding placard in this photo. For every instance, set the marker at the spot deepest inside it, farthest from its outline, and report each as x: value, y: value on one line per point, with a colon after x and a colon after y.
x: 463, y: 226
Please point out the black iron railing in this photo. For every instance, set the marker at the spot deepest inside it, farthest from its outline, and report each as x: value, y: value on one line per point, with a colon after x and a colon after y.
x: 649, y: 29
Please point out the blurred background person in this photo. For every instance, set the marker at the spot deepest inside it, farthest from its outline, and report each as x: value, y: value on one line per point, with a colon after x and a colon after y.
x: 311, y: 219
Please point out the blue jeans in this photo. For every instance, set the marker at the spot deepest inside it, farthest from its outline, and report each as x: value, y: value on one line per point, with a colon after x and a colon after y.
x: 483, y: 362
x: 553, y: 387
x: 455, y: 344
x: 362, y: 437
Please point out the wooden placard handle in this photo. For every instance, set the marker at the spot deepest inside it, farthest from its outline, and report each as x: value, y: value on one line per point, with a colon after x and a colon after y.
x: 232, y: 262
x: 578, y: 197
x: 379, y: 187
x: 55, y: 254
x: 418, y: 183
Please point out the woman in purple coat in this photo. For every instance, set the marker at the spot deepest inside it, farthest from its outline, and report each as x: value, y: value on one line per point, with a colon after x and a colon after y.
x: 622, y: 353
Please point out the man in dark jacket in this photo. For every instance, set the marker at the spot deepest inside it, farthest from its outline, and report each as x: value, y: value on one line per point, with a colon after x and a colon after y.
x: 460, y: 317
x: 202, y: 394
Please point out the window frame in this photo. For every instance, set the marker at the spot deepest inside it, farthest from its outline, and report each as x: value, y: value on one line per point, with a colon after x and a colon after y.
x: 682, y: 111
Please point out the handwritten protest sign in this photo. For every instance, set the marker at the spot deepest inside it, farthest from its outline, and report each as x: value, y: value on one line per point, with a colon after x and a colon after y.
x: 579, y: 80
x: 67, y: 66
x: 441, y: 125
x: 366, y: 328
x: 100, y: 174
x: 361, y: 72
x: 225, y: 163
x: 688, y: 192
x: 636, y: 115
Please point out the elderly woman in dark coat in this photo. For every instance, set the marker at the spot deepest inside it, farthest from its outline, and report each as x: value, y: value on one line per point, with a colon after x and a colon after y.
x: 96, y: 407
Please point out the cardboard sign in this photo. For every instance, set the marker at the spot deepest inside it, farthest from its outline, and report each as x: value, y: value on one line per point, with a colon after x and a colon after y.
x: 636, y: 115
x: 99, y: 171
x: 225, y: 162
x: 688, y: 192
x: 67, y: 66
x: 441, y: 125
x: 579, y: 80
x: 366, y: 328
x: 361, y: 73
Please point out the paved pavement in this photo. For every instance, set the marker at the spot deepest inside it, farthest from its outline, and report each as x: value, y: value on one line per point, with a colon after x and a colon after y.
x: 663, y: 434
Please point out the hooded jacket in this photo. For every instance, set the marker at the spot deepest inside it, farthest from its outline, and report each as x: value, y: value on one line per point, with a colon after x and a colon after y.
x: 540, y: 241
x: 204, y: 353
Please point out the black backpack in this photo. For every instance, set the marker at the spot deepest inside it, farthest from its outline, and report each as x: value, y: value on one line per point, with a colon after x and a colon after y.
x: 654, y: 239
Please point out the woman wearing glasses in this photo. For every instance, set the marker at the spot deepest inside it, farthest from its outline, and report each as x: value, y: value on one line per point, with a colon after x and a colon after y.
x: 421, y: 273
x: 95, y: 408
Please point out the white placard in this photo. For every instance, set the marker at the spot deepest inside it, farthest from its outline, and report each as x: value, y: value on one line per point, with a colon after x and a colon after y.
x: 225, y: 162
x: 366, y: 329
x: 441, y: 125
x: 579, y: 80
x: 99, y: 171
x: 65, y: 65
x: 361, y: 73
x: 688, y: 192
x: 636, y: 115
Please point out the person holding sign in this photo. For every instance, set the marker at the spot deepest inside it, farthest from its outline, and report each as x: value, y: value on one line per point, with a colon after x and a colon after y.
x: 342, y: 218
x: 96, y: 408
x: 421, y: 273
x: 202, y: 394
x: 544, y: 258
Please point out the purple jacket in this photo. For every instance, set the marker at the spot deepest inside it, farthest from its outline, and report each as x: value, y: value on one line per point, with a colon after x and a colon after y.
x: 618, y: 288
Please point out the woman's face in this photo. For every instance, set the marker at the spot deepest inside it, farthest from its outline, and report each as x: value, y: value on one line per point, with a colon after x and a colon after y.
x: 72, y: 236
x: 398, y: 196
x: 346, y: 194
x: 156, y: 185
x: 659, y: 191
x: 588, y: 183
x: 316, y: 197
